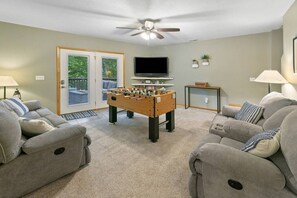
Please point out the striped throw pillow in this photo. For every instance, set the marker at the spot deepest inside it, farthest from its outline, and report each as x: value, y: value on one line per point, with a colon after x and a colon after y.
x: 17, y: 106
x: 250, y: 113
x: 263, y: 144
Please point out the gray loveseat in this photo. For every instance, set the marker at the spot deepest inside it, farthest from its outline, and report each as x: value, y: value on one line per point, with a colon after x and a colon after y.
x: 219, y: 168
x: 30, y: 163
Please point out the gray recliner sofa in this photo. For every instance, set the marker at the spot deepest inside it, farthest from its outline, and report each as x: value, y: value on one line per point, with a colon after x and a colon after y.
x: 27, y: 164
x: 217, y: 165
x: 220, y: 169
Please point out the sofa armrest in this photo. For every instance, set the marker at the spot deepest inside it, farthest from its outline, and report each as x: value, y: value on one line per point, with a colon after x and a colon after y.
x: 33, y: 104
x: 240, y: 130
x: 230, y: 111
x: 242, y: 166
x: 53, y: 138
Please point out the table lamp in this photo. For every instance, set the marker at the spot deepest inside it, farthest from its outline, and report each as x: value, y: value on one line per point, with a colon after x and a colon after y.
x: 271, y: 77
x: 7, y: 81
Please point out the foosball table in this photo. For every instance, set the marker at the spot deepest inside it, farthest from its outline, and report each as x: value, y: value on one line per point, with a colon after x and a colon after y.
x: 151, y: 103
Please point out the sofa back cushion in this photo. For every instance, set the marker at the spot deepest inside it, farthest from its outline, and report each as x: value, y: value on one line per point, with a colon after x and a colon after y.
x: 274, y: 101
x: 288, y: 141
x: 10, y: 136
x: 277, y: 118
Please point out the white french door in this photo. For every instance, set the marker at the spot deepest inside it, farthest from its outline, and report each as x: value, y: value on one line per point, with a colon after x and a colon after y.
x: 110, y: 75
x: 85, y: 78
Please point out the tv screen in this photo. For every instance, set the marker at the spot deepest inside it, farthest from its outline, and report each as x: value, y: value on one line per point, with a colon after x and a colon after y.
x: 151, y: 66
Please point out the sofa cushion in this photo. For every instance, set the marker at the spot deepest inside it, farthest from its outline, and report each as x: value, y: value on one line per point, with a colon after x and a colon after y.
x: 263, y: 144
x: 17, y: 106
x: 10, y: 136
x: 288, y: 141
x: 232, y: 143
x: 33, y: 105
x: 32, y: 127
x: 230, y: 111
x: 249, y: 112
x: 277, y: 118
x: 274, y: 101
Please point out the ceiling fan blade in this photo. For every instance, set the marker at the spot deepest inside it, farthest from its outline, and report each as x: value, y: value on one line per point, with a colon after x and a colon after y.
x: 129, y: 28
x: 168, y: 29
x: 137, y: 33
x: 159, y: 36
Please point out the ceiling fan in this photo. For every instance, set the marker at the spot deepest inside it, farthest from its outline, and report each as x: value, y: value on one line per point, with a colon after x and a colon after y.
x: 148, y: 29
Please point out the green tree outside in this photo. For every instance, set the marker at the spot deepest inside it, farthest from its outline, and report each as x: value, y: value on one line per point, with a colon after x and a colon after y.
x: 109, y: 68
x: 77, y: 67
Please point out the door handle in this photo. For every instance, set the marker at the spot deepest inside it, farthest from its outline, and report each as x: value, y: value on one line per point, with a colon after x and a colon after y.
x: 62, y: 86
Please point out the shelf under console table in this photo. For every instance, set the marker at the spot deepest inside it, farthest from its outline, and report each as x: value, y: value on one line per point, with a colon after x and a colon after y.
x: 189, y: 87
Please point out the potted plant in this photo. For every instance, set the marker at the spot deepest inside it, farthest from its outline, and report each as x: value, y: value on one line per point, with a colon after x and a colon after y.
x: 205, y: 59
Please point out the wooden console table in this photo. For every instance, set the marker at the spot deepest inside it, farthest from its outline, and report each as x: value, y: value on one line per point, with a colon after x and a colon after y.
x: 189, y: 87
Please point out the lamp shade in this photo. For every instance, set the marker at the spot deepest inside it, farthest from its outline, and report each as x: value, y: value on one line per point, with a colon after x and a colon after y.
x: 271, y: 76
x: 7, y: 81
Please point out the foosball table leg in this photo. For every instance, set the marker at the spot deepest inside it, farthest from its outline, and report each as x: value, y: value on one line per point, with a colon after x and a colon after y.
x: 112, y: 114
x: 170, y: 118
x: 154, y: 129
x: 130, y: 114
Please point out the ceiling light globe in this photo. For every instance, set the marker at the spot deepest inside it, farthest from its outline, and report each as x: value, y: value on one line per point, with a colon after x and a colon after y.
x: 145, y: 36
x: 153, y: 35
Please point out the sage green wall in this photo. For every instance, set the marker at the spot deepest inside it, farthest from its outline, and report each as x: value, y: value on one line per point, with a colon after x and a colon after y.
x: 289, y: 32
x: 26, y: 52
x: 233, y: 61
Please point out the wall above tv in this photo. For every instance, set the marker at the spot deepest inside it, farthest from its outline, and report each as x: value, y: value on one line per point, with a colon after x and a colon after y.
x: 151, y: 66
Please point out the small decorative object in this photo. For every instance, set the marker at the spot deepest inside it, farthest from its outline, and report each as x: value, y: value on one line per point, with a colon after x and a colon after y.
x: 17, y: 93
x: 195, y: 64
x: 201, y: 84
x: 147, y: 81
x: 205, y: 59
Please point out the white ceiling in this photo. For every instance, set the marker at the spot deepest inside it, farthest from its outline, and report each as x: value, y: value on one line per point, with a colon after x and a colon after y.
x: 197, y: 19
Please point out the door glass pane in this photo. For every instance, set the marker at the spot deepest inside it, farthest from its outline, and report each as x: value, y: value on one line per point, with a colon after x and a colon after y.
x: 78, y: 80
x: 109, y: 75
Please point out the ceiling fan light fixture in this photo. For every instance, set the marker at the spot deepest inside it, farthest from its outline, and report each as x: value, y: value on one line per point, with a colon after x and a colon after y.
x: 148, y: 35
x: 149, y: 25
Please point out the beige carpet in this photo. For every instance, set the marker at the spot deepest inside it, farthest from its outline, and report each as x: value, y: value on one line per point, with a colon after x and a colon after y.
x: 125, y: 163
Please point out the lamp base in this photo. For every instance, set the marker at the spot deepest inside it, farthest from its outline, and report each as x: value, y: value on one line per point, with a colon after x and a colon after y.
x: 4, y: 92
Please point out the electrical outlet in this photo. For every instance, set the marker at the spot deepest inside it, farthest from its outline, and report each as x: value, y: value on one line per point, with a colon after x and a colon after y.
x: 206, y: 100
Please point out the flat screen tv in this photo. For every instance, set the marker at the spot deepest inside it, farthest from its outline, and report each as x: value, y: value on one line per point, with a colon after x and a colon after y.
x: 151, y: 66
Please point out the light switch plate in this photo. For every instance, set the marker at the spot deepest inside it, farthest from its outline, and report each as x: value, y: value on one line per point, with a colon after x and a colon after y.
x: 39, y: 77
